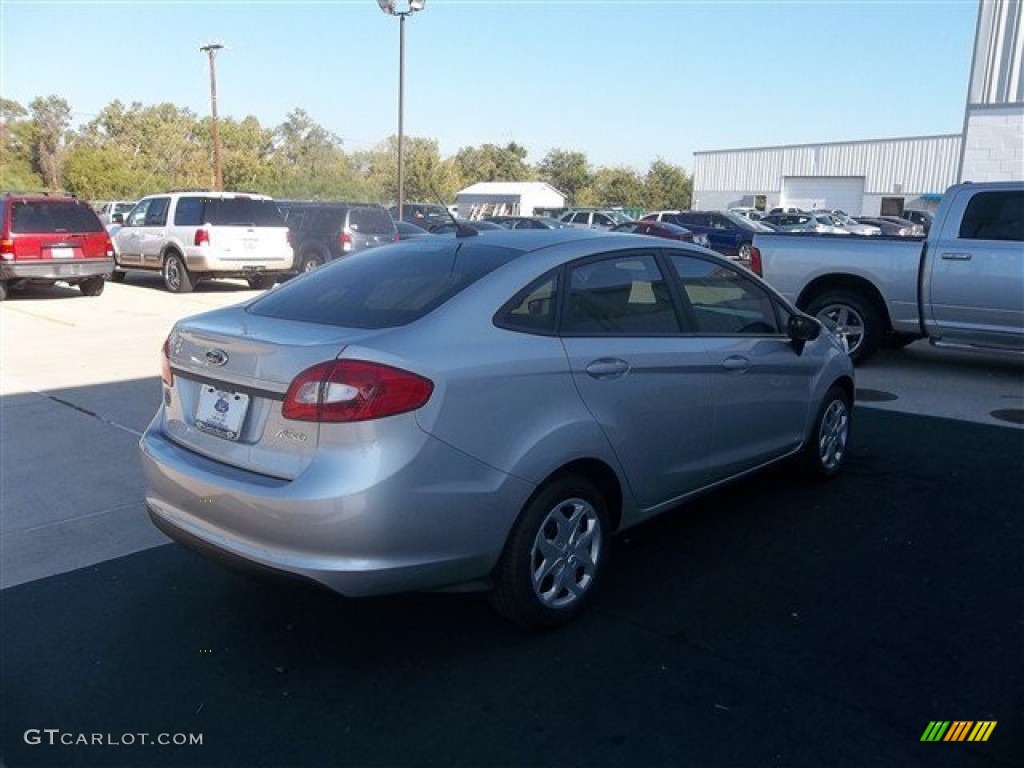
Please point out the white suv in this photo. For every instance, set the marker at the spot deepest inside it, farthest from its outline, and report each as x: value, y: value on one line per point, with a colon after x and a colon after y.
x: 193, y: 236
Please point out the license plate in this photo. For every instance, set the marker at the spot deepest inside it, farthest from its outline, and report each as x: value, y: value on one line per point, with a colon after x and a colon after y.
x: 221, y: 412
x: 62, y: 253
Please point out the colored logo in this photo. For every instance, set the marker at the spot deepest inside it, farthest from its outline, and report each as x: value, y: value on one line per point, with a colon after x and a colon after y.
x: 958, y: 730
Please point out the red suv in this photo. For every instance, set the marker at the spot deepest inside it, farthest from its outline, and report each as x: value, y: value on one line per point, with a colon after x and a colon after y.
x: 44, y: 239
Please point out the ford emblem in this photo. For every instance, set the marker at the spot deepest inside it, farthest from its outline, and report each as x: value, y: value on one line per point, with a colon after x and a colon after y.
x: 216, y: 357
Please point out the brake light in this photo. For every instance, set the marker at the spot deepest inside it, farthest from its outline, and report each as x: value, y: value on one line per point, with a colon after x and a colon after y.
x: 755, y: 261
x: 110, y: 248
x: 354, y: 390
x: 165, y: 363
x: 7, y: 249
x: 202, y: 236
x: 345, y: 241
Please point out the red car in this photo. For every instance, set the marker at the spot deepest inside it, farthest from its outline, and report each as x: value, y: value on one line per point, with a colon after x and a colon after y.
x: 44, y: 239
x: 657, y: 229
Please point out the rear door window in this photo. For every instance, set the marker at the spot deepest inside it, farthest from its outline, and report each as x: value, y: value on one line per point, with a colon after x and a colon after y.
x: 53, y: 217
x: 370, y: 221
x: 189, y: 212
x: 994, y: 216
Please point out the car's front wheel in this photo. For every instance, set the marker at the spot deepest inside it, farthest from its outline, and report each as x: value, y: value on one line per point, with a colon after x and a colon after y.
x: 555, y: 555
x: 825, y: 451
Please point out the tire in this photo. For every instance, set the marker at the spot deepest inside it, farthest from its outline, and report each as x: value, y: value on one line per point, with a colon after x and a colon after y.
x: 176, y: 276
x: 92, y: 286
x: 852, y: 317
x: 262, y: 282
x: 117, y: 276
x: 310, y: 261
x: 3, y: 291
x: 743, y: 254
x: 898, y: 340
x: 555, y: 555
x: 825, y: 451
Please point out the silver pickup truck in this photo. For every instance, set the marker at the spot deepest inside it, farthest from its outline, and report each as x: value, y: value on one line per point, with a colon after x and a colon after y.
x: 961, y: 286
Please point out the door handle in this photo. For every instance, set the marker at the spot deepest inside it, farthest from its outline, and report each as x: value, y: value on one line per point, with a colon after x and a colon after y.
x: 607, y: 368
x: 735, y: 363
x: 956, y: 256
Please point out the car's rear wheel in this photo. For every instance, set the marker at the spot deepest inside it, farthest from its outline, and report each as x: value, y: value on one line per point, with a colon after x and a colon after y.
x: 555, y: 555
x: 92, y: 286
x: 825, y: 451
x: 3, y: 290
x: 309, y: 261
x: 117, y: 276
x: 176, y: 276
x: 262, y: 282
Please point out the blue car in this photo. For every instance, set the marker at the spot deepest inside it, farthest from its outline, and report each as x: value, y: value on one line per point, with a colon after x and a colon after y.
x: 728, y: 233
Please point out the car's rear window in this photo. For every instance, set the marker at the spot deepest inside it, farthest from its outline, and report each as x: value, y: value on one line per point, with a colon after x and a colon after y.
x: 228, y: 212
x: 53, y: 217
x: 384, y: 287
x: 371, y: 221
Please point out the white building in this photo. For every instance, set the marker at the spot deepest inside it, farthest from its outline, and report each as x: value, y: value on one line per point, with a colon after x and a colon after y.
x: 888, y: 175
x: 507, y: 198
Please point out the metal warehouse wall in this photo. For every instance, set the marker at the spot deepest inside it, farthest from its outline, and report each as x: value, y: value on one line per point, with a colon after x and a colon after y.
x: 918, y: 165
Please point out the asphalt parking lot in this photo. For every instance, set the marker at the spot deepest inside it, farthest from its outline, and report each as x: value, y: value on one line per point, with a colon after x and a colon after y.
x: 772, y: 623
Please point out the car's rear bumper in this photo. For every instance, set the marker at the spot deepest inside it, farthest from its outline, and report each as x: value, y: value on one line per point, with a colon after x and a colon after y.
x: 439, y: 521
x: 204, y: 260
x: 50, y: 269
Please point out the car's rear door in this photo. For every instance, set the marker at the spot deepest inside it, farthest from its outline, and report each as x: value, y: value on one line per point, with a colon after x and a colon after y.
x: 646, y: 383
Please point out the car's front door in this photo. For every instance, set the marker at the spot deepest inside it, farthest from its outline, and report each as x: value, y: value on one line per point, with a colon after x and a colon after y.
x: 645, y: 382
x: 761, y: 383
x: 153, y: 233
x: 129, y: 237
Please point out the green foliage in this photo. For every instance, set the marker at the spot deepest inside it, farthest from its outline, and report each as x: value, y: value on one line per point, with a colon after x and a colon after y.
x: 566, y: 171
x: 667, y: 187
x: 16, y: 168
x: 490, y: 162
x: 51, y: 117
x: 613, y: 186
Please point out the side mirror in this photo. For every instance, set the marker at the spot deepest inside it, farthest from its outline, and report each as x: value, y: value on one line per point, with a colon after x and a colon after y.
x: 802, y: 329
x: 117, y: 218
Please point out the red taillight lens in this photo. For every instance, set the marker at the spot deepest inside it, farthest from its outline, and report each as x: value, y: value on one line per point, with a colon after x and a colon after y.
x: 354, y: 390
x: 110, y: 248
x: 755, y: 261
x: 165, y: 363
x: 202, y: 236
x: 345, y: 241
x: 6, y: 249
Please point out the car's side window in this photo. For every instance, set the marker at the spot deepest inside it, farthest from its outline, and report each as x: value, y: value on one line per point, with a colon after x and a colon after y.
x: 604, y: 221
x: 188, y: 212
x: 623, y: 295
x: 156, y: 215
x: 138, y: 215
x: 533, y: 309
x: 994, y: 216
x: 724, y: 302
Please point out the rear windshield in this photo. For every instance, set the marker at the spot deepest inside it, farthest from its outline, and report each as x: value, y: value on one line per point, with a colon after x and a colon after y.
x: 228, y: 212
x: 384, y: 287
x: 53, y: 216
x: 371, y: 221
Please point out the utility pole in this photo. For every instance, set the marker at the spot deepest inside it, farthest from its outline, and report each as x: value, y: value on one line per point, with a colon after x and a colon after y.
x: 211, y: 51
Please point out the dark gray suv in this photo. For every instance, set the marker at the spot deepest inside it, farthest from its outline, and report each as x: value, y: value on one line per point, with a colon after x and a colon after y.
x: 324, y: 231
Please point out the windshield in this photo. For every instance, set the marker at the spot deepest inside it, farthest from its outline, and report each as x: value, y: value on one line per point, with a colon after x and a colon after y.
x: 619, y: 217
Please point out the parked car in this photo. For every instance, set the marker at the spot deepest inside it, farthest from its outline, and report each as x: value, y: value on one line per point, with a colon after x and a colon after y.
x: 787, y: 209
x: 819, y: 223
x: 527, y: 222
x: 916, y: 230
x: 727, y: 233
x: 924, y: 218
x: 748, y: 213
x: 323, y: 231
x: 591, y: 219
x: 889, y: 228
x: 46, y: 239
x: 193, y: 236
x: 661, y: 229
x: 853, y: 226
x: 962, y: 287
x: 110, y: 209
x: 424, y: 215
x: 449, y: 227
x: 483, y: 412
x: 407, y: 231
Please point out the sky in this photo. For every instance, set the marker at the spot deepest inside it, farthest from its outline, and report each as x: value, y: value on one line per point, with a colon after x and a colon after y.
x: 625, y: 82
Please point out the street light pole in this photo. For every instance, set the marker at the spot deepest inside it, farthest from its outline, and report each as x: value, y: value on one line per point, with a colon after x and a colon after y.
x: 211, y: 51
x: 388, y: 6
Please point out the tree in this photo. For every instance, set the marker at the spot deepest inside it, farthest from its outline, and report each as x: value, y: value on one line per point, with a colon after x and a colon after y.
x: 566, y: 171
x: 308, y: 162
x: 16, y: 169
x: 51, y: 117
x: 667, y: 186
x: 427, y: 176
x: 614, y: 186
x: 490, y: 162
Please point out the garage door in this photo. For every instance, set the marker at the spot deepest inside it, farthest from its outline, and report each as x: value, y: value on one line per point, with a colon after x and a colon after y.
x: 829, y: 192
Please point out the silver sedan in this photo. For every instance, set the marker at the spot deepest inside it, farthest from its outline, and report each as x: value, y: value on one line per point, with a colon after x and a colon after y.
x: 483, y: 411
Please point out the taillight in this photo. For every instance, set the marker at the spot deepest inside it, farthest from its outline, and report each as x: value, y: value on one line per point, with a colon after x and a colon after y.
x: 110, y: 248
x: 354, y: 390
x: 165, y: 363
x: 202, y: 236
x: 345, y: 241
x: 7, y: 249
x: 755, y: 261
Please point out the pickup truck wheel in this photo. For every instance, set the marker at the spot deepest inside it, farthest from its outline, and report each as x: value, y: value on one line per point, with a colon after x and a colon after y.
x: 852, y: 317
x: 92, y: 286
x: 176, y: 276
x: 555, y: 555
x: 825, y: 451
